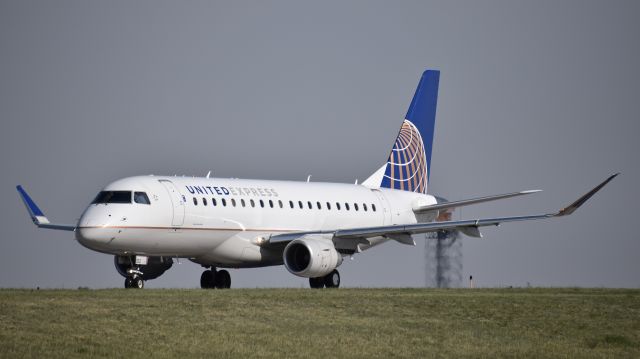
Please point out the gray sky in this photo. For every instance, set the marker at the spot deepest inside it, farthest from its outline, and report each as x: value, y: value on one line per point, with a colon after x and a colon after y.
x: 541, y: 94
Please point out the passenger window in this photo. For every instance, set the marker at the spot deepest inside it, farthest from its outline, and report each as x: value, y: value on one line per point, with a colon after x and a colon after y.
x: 271, y: 203
x: 204, y: 201
x: 195, y: 201
x: 346, y: 206
x: 309, y: 204
x: 373, y: 207
x: 291, y: 204
x: 233, y: 202
x: 242, y: 202
x: 300, y: 204
x: 328, y: 206
x: 253, y: 204
x: 318, y: 204
x: 214, y: 202
x: 262, y: 203
x: 280, y: 203
x: 355, y: 206
x: 141, y: 197
x: 364, y: 206
x: 338, y: 205
x: 224, y: 202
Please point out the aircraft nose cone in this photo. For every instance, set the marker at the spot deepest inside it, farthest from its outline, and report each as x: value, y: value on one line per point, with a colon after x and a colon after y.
x: 93, y: 230
x: 92, y: 236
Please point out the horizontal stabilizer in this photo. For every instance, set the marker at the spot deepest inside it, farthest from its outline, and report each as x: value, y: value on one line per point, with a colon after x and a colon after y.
x: 467, y: 202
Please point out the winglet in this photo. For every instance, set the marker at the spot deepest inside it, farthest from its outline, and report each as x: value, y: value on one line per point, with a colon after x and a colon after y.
x: 575, y: 205
x: 37, y: 216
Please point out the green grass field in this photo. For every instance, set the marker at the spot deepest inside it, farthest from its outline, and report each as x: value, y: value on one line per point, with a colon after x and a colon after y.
x: 576, y: 323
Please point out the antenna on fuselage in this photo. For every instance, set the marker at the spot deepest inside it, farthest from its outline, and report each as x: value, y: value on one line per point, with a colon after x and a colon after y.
x: 208, y: 174
x: 356, y: 181
x: 308, y: 178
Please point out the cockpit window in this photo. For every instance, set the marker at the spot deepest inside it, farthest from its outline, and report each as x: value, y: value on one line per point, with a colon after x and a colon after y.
x: 113, y: 197
x: 142, y: 198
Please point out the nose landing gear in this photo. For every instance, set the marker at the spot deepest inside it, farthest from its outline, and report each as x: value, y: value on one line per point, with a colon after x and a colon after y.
x: 136, y: 282
x: 134, y: 279
x: 213, y: 278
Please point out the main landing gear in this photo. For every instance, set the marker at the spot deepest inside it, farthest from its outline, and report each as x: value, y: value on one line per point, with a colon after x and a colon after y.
x: 331, y: 280
x: 134, y: 279
x: 212, y: 278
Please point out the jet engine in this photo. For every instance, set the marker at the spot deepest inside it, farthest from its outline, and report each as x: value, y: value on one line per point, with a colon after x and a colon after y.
x: 311, y: 258
x: 154, y: 268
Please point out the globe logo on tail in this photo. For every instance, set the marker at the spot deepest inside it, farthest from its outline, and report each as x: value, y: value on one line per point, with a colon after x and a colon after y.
x: 407, y: 163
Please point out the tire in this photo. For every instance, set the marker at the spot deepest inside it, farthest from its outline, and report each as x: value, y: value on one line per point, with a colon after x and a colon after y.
x: 332, y: 280
x: 138, y: 283
x: 223, y: 279
x: 207, y: 280
x: 316, y: 283
x: 128, y: 283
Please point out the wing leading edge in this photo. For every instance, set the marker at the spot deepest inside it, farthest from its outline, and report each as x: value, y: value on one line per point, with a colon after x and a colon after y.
x: 468, y: 227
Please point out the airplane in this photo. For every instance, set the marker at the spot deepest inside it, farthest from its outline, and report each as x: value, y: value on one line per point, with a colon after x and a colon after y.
x: 148, y: 221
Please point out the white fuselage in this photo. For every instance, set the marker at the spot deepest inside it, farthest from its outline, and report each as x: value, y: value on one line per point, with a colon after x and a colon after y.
x: 222, y: 222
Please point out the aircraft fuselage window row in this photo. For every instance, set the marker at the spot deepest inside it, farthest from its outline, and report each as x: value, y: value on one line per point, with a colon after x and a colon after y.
x: 223, y: 201
x: 122, y: 197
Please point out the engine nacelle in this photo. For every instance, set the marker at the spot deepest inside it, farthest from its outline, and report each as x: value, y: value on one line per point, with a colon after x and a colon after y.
x: 153, y: 269
x: 311, y: 258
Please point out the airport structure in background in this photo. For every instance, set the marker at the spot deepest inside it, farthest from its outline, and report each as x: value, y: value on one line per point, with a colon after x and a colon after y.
x: 443, y: 254
x: 443, y: 260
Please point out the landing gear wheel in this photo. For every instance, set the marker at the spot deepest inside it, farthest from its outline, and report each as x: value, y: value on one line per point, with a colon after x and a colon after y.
x: 332, y: 280
x: 223, y: 279
x: 316, y: 283
x: 207, y: 280
x: 138, y: 283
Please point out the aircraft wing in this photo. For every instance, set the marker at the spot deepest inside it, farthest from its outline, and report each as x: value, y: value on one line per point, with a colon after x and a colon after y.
x: 37, y: 216
x: 350, y: 238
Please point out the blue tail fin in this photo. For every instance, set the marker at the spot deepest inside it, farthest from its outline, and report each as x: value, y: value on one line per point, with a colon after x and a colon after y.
x: 409, y: 163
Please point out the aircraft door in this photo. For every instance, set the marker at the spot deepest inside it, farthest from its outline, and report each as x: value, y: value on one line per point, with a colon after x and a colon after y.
x: 385, y: 208
x: 177, y: 201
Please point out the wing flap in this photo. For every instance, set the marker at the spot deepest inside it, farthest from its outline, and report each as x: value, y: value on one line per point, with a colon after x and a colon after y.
x: 403, y: 238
